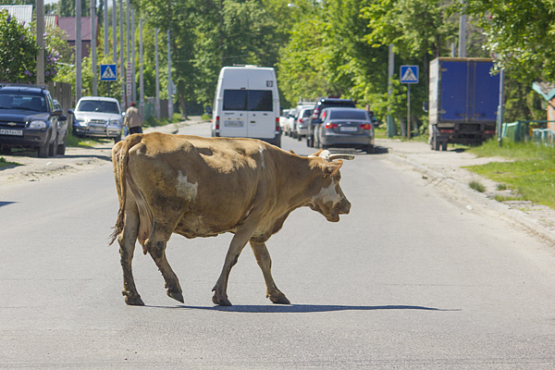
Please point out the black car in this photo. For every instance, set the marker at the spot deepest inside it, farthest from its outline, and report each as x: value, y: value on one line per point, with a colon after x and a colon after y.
x: 316, y: 117
x: 29, y: 119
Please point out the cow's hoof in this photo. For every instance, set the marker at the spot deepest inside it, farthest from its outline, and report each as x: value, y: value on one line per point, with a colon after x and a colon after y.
x: 177, y: 296
x: 281, y: 299
x: 134, y: 301
x: 221, y: 301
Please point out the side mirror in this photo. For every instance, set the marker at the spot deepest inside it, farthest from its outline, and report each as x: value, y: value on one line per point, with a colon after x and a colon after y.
x: 425, y: 106
x: 57, y: 112
x: 70, y: 111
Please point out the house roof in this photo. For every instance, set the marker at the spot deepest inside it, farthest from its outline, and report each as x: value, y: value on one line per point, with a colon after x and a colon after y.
x: 23, y: 13
x: 68, y: 24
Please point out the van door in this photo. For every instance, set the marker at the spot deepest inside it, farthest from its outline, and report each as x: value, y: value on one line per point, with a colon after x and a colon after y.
x: 233, y: 118
x: 233, y: 122
x: 261, y: 113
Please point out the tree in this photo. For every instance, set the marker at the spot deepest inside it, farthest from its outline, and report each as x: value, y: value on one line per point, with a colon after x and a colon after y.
x: 18, y: 51
x: 520, y: 34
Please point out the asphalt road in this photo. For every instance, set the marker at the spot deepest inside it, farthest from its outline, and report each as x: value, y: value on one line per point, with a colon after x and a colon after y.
x: 407, y: 280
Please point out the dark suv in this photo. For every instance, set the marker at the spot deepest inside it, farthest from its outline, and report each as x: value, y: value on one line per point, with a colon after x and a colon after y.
x: 316, y: 117
x: 29, y: 119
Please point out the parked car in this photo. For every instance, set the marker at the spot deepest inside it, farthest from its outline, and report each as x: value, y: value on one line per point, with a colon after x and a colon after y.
x: 319, y: 107
x: 283, y: 117
x: 345, y: 128
x: 301, y: 122
x: 97, y: 116
x: 288, y: 126
x: 29, y: 119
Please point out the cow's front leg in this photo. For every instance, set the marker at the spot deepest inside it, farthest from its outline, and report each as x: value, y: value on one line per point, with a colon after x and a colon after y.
x: 156, y: 246
x: 127, y: 240
x: 220, y: 289
x: 265, y: 262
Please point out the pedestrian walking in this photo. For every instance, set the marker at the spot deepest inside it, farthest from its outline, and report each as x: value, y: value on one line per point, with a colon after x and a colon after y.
x: 133, y: 119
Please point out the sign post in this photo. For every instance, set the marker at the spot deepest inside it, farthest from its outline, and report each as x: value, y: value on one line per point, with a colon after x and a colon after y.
x: 409, y: 75
x: 108, y: 72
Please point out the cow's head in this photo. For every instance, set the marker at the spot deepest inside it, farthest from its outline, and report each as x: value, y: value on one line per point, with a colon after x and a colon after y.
x: 330, y: 200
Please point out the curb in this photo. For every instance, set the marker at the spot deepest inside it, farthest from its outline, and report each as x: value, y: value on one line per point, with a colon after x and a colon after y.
x: 481, y: 199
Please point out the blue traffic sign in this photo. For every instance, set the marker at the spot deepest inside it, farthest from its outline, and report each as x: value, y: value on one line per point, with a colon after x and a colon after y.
x: 108, y: 72
x: 409, y: 74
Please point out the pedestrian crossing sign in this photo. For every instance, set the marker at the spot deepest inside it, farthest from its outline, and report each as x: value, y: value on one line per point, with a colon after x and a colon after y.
x: 409, y: 74
x: 108, y: 72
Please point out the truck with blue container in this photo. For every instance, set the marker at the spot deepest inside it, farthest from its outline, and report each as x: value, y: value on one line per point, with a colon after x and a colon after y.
x: 463, y: 101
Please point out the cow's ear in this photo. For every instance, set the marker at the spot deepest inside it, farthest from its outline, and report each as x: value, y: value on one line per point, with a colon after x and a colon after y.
x: 332, y: 168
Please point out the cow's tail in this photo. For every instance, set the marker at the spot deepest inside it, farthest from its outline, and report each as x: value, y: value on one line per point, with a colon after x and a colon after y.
x: 120, y: 159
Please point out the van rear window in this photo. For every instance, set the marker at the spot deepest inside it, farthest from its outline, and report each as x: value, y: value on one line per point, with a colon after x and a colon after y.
x: 252, y: 100
x: 235, y: 99
x: 260, y: 100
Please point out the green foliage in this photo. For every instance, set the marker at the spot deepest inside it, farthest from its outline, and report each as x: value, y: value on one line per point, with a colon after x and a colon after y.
x: 18, y: 51
x: 475, y: 185
x: 521, y: 34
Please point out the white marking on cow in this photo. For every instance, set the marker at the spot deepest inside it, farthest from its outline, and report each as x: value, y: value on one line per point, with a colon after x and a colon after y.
x: 329, y: 194
x: 261, y: 151
x: 185, y: 189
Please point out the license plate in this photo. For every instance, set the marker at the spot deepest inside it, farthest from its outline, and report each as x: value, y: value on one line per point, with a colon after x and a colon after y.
x: 97, y: 129
x: 233, y: 123
x: 5, y: 131
x: 348, y: 129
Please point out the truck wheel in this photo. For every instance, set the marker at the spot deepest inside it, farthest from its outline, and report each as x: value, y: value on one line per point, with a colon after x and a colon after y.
x: 62, y: 146
x: 435, y: 143
x: 444, y: 146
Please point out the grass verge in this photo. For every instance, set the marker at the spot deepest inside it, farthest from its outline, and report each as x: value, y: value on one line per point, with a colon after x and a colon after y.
x: 4, y: 163
x: 531, y: 174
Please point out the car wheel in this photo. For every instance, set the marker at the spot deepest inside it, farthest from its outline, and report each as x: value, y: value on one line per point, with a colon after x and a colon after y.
x: 299, y: 137
x: 52, y: 147
x: 62, y: 146
x: 42, y: 151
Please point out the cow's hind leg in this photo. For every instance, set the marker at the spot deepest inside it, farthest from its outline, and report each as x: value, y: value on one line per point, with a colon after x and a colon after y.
x: 156, y: 246
x: 265, y: 262
x: 127, y: 240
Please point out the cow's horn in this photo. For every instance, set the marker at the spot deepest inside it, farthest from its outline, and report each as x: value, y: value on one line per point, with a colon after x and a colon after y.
x: 325, y: 154
x: 340, y: 156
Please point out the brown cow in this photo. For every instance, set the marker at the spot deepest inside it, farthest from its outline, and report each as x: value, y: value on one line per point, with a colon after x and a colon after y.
x: 200, y: 187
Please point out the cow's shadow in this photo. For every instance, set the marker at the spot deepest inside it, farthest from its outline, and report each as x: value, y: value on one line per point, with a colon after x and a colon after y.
x: 301, y: 308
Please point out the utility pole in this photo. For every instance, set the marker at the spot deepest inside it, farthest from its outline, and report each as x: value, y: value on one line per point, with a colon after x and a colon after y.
x: 114, y: 33
x: 40, y: 42
x: 391, y: 129
x: 93, y: 47
x: 77, y: 50
x: 462, y: 32
x: 133, y: 56
x: 170, y: 90
x: 106, y: 46
x: 121, y: 60
x: 141, y: 81
x: 157, y: 101
x: 128, y: 59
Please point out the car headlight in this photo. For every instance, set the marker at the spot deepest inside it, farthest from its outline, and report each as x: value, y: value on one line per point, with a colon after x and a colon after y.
x: 37, y: 125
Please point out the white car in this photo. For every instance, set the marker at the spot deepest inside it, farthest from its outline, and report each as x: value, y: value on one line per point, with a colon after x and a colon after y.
x: 97, y: 116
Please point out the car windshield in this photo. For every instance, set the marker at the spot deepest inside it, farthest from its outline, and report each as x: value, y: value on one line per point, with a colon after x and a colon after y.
x: 98, y: 106
x: 19, y: 101
x: 348, y: 114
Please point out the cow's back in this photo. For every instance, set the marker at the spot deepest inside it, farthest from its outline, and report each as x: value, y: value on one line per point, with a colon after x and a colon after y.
x: 202, y: 186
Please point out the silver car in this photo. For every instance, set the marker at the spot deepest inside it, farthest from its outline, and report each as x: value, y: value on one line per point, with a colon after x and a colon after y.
x: 99, y: 117
x: 345, y: 128
x: 301, y: 122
